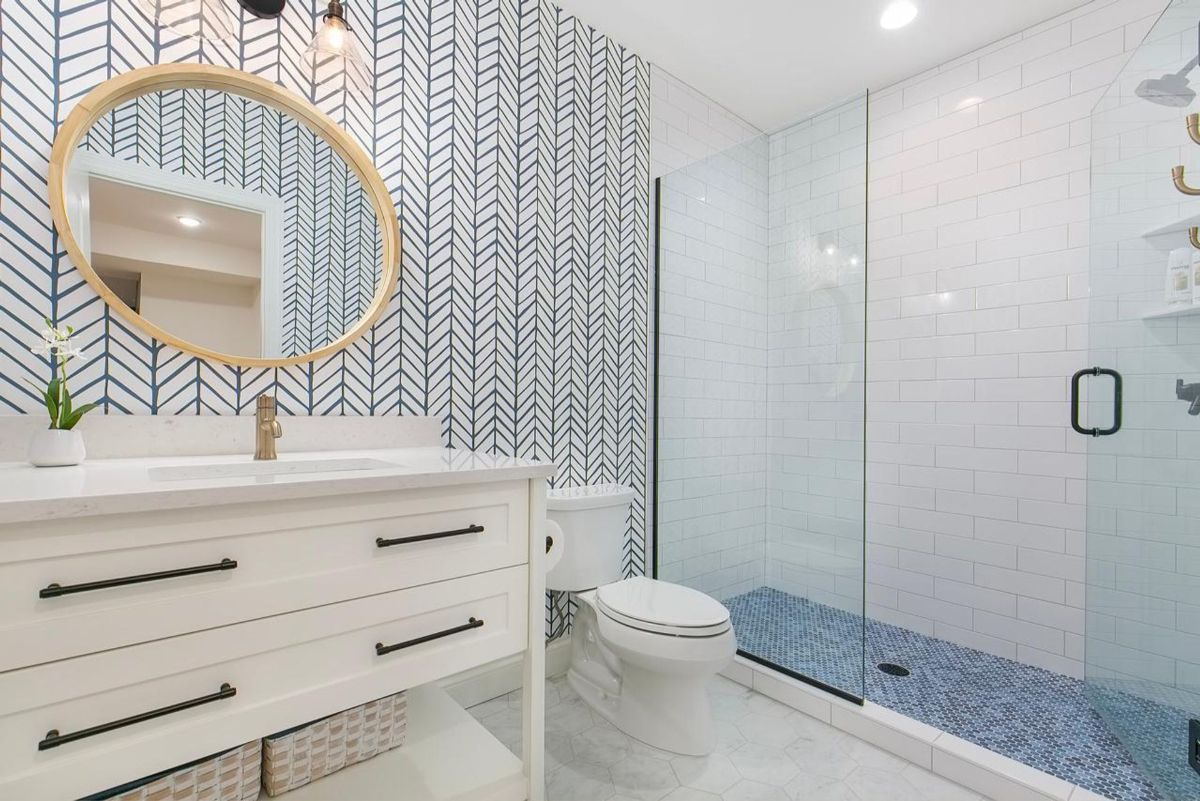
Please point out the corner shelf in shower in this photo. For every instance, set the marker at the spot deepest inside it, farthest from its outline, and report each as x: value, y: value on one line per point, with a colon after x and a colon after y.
x: 1180, y: 311
x: 1179, y: 226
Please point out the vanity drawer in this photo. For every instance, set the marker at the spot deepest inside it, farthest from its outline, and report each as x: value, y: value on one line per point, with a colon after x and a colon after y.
x: 149, y: 576
x: 279, y: 672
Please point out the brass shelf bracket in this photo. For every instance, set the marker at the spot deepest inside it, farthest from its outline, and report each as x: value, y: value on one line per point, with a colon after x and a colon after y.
x: 1194, y: 237
x: 1193, y: 127
x: 1181, y: 184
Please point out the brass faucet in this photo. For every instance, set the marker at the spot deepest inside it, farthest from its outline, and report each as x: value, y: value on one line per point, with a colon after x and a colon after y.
x: 266, y: 428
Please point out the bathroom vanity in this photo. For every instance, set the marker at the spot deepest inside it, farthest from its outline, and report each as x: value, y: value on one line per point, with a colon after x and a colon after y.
x: 160, y: 609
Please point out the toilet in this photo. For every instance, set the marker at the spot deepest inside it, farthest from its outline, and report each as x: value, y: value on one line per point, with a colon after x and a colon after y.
x: 642, y: 650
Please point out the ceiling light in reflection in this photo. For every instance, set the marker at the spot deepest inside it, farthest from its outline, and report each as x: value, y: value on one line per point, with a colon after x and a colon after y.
x: 830, y: 250
x: 897, y: 15
x: 189, y: 222
x: 854, y: 261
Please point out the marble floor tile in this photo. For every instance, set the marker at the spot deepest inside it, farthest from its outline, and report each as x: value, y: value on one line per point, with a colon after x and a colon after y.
x: 766, y: 752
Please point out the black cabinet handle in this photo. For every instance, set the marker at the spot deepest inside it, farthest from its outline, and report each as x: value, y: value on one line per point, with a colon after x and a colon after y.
x: 1096, y: 432
x: 437, y: 535
x: 53, y: 739
x: 473, y: 623
x: 55, y: 590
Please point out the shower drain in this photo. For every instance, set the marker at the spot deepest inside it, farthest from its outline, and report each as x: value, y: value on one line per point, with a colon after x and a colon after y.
x: 893, y: 669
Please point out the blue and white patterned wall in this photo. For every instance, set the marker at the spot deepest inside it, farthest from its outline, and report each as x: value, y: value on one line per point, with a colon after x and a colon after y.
x: 516, y: 144
x: 332, y: 246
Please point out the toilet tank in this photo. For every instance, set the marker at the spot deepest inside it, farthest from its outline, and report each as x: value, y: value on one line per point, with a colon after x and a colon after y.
x: 594, y: 520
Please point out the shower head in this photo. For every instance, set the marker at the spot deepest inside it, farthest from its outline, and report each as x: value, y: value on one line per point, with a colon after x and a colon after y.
x: 1171, y: 89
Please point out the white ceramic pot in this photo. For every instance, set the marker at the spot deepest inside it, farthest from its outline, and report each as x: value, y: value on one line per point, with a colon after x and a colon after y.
x: 51, y: 447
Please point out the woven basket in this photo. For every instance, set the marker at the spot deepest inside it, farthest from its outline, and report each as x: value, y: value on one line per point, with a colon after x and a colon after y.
x: 295, y: 757
x: 233, y: 775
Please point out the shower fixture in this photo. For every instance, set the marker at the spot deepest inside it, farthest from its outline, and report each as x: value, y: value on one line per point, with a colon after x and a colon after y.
x: 1173, y: 88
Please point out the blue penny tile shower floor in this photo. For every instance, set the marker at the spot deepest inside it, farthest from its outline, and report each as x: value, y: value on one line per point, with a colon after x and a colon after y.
x: 1041, y: 718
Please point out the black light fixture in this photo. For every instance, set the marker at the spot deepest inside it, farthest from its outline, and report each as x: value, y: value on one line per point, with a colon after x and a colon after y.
x: 334, y: 46
x: 263, y: 9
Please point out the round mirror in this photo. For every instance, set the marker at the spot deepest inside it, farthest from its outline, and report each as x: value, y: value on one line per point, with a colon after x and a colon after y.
x: 223, y: 215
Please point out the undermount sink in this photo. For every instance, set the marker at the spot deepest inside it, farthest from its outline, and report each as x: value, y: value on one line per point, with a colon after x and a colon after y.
x: 200, y: 472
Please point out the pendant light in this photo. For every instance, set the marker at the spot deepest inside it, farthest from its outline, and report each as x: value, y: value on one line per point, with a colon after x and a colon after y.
x: 199, y: 19
x: 334, y: 43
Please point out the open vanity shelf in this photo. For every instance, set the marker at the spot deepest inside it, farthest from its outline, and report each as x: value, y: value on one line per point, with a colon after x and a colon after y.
x: 432, y: 765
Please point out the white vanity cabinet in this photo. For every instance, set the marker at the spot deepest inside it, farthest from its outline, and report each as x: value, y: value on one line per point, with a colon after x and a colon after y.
x: 146, y: 623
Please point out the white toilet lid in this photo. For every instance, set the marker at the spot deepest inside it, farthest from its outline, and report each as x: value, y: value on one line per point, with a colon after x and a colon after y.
x: 662, y: 607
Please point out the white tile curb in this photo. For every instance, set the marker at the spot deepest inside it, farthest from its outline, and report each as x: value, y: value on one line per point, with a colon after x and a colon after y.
x: 950, y: 757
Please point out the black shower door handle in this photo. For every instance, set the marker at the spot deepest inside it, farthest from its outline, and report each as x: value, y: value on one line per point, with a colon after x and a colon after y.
x: 1116, y: 424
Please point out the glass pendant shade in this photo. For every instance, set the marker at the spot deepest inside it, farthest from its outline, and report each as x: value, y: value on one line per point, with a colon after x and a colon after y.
x: 334, y: 45
x: 199, y: 19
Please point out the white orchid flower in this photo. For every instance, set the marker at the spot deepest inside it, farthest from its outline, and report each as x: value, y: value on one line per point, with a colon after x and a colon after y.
x: 68, y: 350
x: 43, y: 348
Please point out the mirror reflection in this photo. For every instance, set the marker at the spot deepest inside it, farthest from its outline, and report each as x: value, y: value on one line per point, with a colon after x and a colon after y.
x: 226, y: 223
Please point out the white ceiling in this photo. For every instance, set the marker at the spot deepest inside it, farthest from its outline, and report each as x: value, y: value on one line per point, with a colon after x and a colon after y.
x: 775, y: 61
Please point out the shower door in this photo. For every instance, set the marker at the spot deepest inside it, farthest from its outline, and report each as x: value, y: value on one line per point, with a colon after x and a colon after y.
x: 1142, y: 436
x: 760, y: 368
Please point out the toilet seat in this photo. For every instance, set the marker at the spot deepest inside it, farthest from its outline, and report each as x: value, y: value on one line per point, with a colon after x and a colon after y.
x: 659, y: 607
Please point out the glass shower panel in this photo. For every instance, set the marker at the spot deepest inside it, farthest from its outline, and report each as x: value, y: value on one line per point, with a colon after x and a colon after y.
x: 711, y: 372
x: 1142, y: 649
x: 762, y: 298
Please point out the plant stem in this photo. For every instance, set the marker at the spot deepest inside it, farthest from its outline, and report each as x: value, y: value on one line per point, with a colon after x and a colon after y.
x: 62, y: 390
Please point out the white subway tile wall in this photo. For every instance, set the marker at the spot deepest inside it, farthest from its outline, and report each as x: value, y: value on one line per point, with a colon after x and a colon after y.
x: 687, y: 126
x: 712, y: 385
x: 816, y: 357
x: 712, y: 372
x: 978, y: 313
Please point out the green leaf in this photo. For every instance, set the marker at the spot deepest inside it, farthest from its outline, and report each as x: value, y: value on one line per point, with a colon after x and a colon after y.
x: 52, y: 408
x: 65, y: 411
x: 52, y: 402
x: 75, y: 416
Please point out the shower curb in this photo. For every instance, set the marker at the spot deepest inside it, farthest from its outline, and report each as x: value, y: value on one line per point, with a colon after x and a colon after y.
x: 974, y: 767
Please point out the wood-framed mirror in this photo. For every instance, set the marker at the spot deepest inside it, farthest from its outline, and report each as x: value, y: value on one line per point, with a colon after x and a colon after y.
x: 223, y: 215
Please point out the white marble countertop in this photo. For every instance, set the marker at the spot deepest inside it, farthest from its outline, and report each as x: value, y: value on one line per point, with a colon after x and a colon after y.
x: 118, y: 486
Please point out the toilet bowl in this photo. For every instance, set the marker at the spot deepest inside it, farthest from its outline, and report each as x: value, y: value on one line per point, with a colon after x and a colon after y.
x: 642, y: 651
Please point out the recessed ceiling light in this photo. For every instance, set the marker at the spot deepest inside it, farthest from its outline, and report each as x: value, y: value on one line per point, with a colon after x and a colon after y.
x: 189, y: 222
x: 897, y: 15
x: 830, y: 250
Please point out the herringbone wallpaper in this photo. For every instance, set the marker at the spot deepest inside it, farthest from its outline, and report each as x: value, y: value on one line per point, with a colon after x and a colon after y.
x: 515, y: 141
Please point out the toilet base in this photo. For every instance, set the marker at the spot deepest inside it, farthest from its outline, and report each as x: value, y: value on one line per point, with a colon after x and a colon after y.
x: 666, y: 712
x: 650, y: 686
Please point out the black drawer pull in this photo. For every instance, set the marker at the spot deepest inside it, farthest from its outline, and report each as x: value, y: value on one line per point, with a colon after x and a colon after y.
x: 437, y: 535
x: 53, y: 739
x: 56, y: 589
x: 473, y: 623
